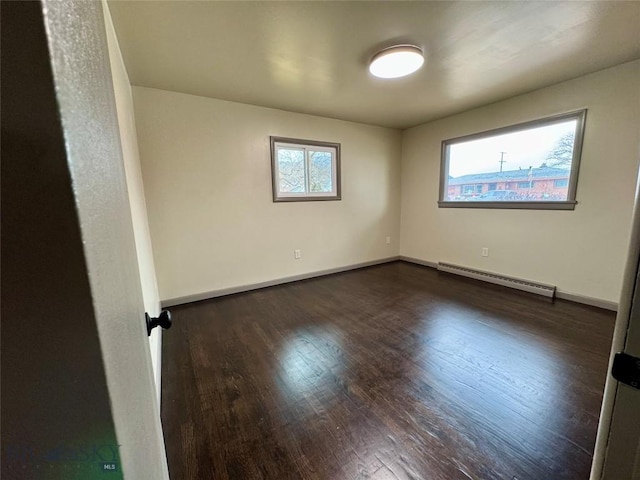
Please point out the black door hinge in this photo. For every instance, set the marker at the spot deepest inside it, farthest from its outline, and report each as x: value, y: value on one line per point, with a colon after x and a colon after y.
x: 626, y: 369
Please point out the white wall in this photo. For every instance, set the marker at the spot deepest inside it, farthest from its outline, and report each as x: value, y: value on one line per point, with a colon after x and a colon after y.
x: 207, y: 175
x: 583, y: 251
x: 128, y: 138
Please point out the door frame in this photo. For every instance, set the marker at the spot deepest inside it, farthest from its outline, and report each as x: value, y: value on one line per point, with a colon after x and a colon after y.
x: 623, y: 319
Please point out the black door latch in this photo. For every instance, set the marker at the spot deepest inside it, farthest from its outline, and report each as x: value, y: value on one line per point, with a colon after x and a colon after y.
x: 163, y: 320
x: 626, y: 369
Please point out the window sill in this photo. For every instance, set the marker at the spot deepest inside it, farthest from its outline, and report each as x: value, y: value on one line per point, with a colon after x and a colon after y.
x: 568, y: 205
x: 306, y: 199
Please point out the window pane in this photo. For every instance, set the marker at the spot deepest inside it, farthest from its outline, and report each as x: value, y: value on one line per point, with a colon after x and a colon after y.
x: 320, y: 175
x: 291, y: 170
x: 532, y: 164
x: 304, y: 170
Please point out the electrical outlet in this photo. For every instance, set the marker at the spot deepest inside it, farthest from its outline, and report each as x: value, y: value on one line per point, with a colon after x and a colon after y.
x: 388, y: 240
x: 485, y: 252
x: 297, y: 254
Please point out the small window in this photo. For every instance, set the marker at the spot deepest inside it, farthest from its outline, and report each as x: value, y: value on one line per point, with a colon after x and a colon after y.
x: 304, y: 170
x: 530, y: 165
x: 471, y: 189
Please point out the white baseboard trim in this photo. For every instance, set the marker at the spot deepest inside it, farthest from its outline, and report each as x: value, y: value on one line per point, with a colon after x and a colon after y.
x: 172, y: 302
x: 417, y: 261
x: 573, y: 297
x: 594, y: 302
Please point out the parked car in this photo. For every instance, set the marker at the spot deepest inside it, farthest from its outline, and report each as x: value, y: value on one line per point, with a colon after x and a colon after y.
x: 499, y: 196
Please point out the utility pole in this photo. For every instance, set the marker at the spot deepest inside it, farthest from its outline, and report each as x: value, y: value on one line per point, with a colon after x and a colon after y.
x: 502, y: 160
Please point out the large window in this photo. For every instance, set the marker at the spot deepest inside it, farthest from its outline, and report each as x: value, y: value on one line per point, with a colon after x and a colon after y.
x: 304, y: 170
x: 530, y: 165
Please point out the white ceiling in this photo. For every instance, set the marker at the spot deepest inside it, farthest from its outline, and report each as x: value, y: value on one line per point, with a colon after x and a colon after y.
x: 312, y: 57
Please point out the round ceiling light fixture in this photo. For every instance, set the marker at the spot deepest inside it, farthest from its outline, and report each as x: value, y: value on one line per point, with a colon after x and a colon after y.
x: 397, y: 61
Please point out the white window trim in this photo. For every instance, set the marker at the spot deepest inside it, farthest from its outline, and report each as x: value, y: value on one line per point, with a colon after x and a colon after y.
x: 305, y: 145
x: 569, y: 204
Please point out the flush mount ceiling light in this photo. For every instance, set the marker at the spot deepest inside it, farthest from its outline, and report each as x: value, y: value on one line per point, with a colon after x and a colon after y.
x: 397, y: 61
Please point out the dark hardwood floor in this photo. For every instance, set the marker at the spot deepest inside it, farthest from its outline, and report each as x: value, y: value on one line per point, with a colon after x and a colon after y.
x: 388, y: 372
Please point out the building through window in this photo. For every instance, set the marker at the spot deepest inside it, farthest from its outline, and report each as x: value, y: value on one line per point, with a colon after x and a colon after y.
x: 535, y: 164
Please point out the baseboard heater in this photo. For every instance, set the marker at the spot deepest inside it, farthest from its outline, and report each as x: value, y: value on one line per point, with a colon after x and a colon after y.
x: 517, y: 283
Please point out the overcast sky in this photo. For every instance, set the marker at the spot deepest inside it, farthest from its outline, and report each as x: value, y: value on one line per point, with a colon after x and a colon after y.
x: 523, y: 149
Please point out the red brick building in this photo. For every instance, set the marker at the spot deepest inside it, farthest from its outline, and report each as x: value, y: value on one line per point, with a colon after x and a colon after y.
x: 542, y: 183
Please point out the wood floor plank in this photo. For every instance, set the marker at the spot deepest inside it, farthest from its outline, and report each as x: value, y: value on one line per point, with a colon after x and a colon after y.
x: 388, y: 372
